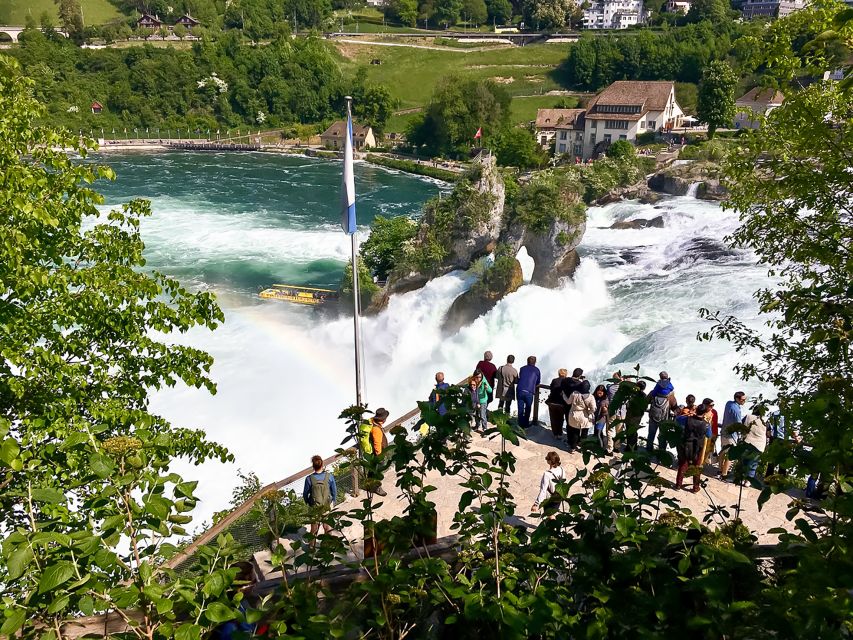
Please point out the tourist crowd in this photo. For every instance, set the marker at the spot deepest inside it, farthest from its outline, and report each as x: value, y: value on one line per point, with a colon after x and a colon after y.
x: 577, y: 411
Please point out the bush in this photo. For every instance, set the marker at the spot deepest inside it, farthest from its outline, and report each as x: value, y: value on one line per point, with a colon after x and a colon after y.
x: 647, y: 137
x: 621, y: 149
x: 548, y: 197
x: 384, y: 248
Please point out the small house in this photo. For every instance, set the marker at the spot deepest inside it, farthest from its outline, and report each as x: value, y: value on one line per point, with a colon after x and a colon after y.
x: 97, y: 107
x: 149, y: 22
x: 758, y: 101
x: 335, y: 135
x: 559, y: 126
x: 187, y: 21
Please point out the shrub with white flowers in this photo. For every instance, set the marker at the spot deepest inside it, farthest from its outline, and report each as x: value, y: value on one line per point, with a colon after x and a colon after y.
x: 73, y: 109
x: 261, y: 118
x: 213, y: 81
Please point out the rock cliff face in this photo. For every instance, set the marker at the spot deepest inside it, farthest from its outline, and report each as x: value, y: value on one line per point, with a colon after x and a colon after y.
x: 676, y: 180
x: 470, y: 224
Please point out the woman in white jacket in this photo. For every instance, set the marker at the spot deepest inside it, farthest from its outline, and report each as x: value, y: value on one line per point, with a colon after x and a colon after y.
x: 581, y: 414
x: 550, y: 478
x: 756, y: 436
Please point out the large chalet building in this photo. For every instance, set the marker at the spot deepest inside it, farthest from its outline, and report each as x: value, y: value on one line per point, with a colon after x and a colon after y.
x: 622, y: 111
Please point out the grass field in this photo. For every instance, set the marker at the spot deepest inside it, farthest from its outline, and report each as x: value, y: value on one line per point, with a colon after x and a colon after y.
x: 523, y: 109
x: 412, y: 74
x: 94, y: 11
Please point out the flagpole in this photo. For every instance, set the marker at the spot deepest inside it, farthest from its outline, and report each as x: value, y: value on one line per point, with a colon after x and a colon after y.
x: 356, y: 298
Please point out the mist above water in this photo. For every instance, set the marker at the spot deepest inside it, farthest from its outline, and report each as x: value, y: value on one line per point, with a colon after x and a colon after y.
x: 284, y: 372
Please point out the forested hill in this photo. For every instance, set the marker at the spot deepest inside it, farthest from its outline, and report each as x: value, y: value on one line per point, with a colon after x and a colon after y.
x: 212, y: 85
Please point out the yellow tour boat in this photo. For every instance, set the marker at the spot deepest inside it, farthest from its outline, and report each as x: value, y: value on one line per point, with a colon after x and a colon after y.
x: 299, y: 295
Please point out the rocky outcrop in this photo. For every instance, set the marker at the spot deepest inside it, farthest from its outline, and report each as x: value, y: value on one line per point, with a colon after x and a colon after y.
x: 553, y: 250
x: 639, y: 223
x: 640, y: 191
x: 482, y: 297
x: 677, y: 180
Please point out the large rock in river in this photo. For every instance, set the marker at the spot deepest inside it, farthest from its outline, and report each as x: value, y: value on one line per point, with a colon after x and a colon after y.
x: 503, y: 278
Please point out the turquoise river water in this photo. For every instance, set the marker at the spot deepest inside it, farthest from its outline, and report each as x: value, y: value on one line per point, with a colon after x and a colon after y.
x: 234, y: 224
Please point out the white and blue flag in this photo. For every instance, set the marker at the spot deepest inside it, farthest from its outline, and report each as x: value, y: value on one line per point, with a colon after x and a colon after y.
x: 348, y: 185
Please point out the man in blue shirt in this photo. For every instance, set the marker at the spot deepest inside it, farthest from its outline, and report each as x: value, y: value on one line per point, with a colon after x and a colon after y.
x: 529, y: 378
x: 320, y: 492
x: 732, y: 417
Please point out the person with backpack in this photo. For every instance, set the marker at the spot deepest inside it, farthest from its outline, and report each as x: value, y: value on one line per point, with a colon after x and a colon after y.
x: 507, y: 378
x: 436, y: 396
x: 662, y: 406
x: 691, y: 447
x: 581, y: 415
x: 550, y: 478
x: 635, y: 408
x: 372, y: 442
x: 320, y: 492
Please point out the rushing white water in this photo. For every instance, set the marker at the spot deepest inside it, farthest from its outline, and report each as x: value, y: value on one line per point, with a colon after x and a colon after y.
x: 232, y: 224
x: 284, y: 375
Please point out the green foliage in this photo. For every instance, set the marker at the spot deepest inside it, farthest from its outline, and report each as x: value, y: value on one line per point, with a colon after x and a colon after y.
x: 712, y: 11
x: 548, y: 197
x: 517, y: 147
x: 366, y: 286
x: 716, y: 100
x: 712, y: 150
x: 410, y: 166
x: 474, y: 11
x: 674, y: 54
x: 444, y: 219
x: 502, y: 276
x: 385, y: 246
x: 289, y: 80
x: 403, y: 11
x: 621, y: 149
x: 499, y: 11
x: 550, y: 15
x: 89, y: 500
x: 686, y: 95
x: 457, y: 109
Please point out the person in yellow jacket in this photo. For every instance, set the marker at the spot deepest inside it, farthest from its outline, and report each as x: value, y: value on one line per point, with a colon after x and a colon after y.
x: 371, y: 441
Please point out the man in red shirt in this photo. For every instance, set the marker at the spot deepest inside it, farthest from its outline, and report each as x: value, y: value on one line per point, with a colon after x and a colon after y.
x: 489, y: 371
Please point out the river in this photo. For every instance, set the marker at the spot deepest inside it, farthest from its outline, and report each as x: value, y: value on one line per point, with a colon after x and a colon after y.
x: 234, y: 224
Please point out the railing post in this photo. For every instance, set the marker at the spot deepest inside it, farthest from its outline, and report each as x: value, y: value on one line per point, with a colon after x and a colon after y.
x: 354, y: 472
x: 536, y: 406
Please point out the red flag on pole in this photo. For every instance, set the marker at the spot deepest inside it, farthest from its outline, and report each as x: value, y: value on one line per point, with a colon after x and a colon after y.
x: 479, y: 133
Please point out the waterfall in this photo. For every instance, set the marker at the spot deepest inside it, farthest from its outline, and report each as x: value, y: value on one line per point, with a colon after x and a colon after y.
x: 692, y: 189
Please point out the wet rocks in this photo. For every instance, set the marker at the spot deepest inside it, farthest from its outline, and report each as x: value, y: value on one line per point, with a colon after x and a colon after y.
x: 639, y: 223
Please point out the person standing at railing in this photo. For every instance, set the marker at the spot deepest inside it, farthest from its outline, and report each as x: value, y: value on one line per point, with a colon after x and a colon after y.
x: 529, y: 379
x: 372, y: 442
x: 490, y: 373
x: 484, y: 392
x: 556, y: 408
x: 320, y: 492
x: 507, y: 379
x: 436, y: 396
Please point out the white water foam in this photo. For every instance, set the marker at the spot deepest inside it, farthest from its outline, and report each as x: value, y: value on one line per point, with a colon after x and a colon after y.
x: 283, y: 377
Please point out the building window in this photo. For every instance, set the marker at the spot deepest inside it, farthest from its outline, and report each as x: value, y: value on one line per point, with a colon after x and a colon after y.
x: 643, y: 124
x: 616, y: 124
x: 623, y: 137
x: 578, y: 149
x: 543, y: 140
x: 579, y: 136
x: 607, y: 137
x: 595, y: 124
x: 592, y: 140
x: 562, y: 148
x: 652, y: 125
x: 562, y: 135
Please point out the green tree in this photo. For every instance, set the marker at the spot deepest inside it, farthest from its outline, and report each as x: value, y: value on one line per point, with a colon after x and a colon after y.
x: 714, y: 11
x: 474, y: 11
x: 447, y: 12
x: 715, y: 103
x: 457, y: 108
x: 180, y: 31
x: 517, y: 147
x: 89, y: 500
x: 621, y: 149
x: 71, y: 18
x: 403, y: 11
x: 382, y: 250
x: 499, y: 11
x: 547, y: 14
